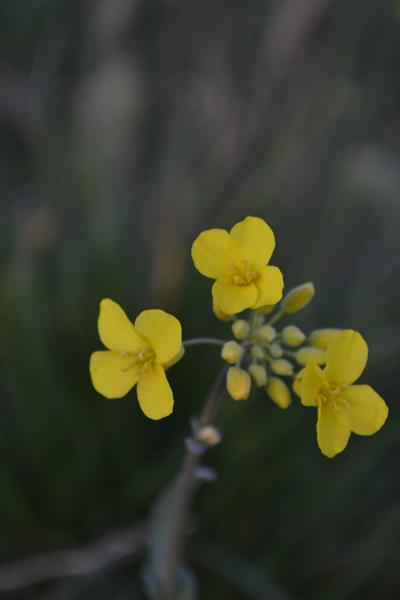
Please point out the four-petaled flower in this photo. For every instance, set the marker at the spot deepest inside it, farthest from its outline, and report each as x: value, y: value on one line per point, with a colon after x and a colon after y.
x: 342, y: 407
x: 238, y: 262
x: 137, y: 354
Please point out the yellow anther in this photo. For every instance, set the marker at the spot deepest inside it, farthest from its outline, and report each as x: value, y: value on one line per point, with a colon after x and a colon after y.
x: 238, y: 280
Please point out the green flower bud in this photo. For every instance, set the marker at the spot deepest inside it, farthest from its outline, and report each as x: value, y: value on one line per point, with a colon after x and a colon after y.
x: 279, y: 392
x: 292, y: 335
x: 322, y: 338
x: 240, y: 329
x: 259, y: 374
x: 267, y: 333
x: 307, y: 354
x: 281, y: 367
x: 297, y: 298
x: 276, y: 351
x: 238, y: 383
x: 231, y: 352
x: 258, y: 352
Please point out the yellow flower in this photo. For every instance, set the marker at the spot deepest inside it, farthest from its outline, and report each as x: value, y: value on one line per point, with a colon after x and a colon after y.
x: 238, y: 262
x: 137, y: 354
x: 342, y: 407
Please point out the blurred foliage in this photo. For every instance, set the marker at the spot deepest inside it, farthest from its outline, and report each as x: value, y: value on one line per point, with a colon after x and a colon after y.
x: 127, y: 127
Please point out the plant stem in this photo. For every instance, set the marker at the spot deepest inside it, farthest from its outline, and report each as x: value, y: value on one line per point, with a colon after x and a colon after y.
x: 203, y: 340
x: 186, y: 485
x: 276, y: 317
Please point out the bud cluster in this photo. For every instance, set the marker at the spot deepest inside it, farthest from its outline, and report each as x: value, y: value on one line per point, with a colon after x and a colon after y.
x: 270, y: 358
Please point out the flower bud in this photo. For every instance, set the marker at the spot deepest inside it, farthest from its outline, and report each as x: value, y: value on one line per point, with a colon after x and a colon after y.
x: 298, y: 298
x: 240, y: 329
x: 297, y: 383
x: 292, y: 335
x: 267, y: 333
x: 308, y: 354
x: 231, y: 352
x: 238, y: 383
x: 276, y: 350
x: 258, y: 352
x: 279, y: 392
x: 281, y: 367
x: 175, y: 359
x: 219, y: 313
x: 209, y: 435
x: 259, y: 374
x: 322, y: 338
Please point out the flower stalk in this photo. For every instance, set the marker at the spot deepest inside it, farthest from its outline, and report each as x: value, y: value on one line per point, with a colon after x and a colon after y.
x: 186, y: 483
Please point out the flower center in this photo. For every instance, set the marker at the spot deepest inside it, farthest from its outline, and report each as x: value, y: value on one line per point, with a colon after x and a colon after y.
x: 243, y: 273
x: 142, y: 359
x: 330, y: 395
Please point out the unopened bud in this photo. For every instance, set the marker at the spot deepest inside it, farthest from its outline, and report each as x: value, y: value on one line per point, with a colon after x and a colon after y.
x: 281, y: 367
x: 259, y: 374
x: 298, y: 298
x: 292, y: 335
x: 238, y: 383
x: 219, y: 313
x: 297, y: 383
x: 258, y: 352
x: 275, y: 350
x: 267, y: 333
x: 209, y: 435
x: 308, y: 354
x: 279, y: 392
x: 231, y: 352
x: 176, y: 358
x: 322, y: 338
x: 240, y: 329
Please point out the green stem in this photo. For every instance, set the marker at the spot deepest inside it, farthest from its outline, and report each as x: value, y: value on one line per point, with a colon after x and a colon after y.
x: 186, y: 488
x: 203, y: 341
x: 275, y: 318
x: 290, y: 354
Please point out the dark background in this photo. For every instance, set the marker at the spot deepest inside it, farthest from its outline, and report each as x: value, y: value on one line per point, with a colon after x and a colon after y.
x: 126, y: 128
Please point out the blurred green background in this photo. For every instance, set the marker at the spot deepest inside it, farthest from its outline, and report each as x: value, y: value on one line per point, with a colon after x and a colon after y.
x: 126, y: 127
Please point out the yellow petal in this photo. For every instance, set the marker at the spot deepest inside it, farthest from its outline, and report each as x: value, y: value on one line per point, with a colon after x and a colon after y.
x: 269, y: 286
x: 210, y: 253
x: 366, y: 412
x: 219, y: 313
x: 175, y: 359
x: 116, y: 331
x: 346, y: 358
x: 234, y: 298
x: 163, y: 331
x: 312, y: 381
x: 298, y: 382
x: 254, y: 240
x: 111, y: 374
x: 332, y: 434
x: 154, y: 393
